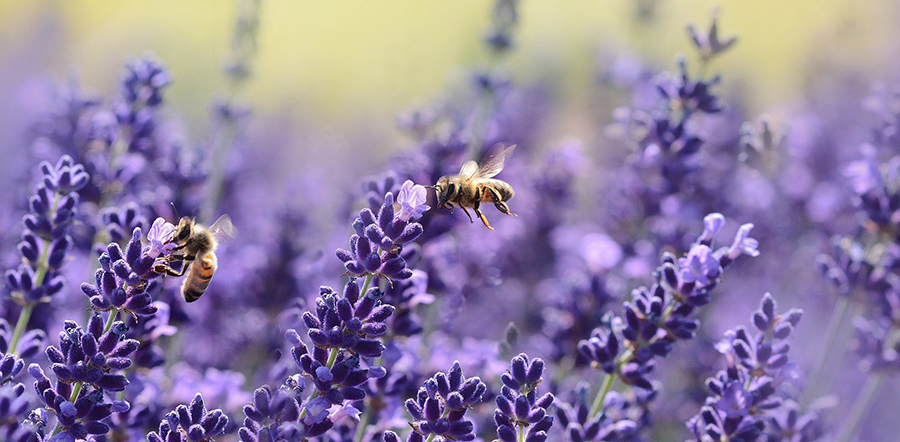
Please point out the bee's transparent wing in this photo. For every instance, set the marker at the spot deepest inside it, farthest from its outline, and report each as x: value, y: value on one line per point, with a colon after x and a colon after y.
x: 468, y: 169
x: 493, y: 161
x: 222, y: 229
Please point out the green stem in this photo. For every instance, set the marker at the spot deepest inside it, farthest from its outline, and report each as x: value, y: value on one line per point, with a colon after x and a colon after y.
x: 521, y: 433
x: 366, y: 283
x: 109, y: 321
x: 861, y: 407
x: 831, y: 333
x: 221, y: 149
x: 24, y: 317
x: 601, y: 396
x: 623, y: 359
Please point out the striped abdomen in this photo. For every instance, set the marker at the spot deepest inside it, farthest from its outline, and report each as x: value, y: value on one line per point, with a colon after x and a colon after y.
x: 199, y: 275
x: 501, y: 188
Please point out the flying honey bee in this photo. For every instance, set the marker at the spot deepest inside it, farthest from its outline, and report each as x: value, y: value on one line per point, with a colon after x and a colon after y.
x: 475, y: 184
x: 196, y: 249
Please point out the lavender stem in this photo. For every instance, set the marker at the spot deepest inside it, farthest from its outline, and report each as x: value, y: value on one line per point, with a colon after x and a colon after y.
x: 21, y: 323
x: 834, y: 325
x: 861, y: 407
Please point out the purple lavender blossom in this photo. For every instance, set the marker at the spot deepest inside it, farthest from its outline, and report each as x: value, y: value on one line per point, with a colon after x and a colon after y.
x: 376, y: 248
x: 440, y: 407
x: 519, y: 410
x: 351, y: 320
x: 122, y: 281
x: 744, y: 394
x: 119, y: 222
x: 708, y: 43
x: 45, y: 240
x: 190, y: 423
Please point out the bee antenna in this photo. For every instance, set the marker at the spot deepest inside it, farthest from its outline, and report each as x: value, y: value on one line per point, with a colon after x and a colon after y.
x: 175, y: 209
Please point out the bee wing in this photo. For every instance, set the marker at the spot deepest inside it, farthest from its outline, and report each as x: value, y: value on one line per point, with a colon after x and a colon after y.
x: 223, y: 229
x: 468, y: 169
x: 493, y: 161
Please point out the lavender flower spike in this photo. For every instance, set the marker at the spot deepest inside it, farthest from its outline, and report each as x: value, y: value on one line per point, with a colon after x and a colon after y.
x: 440, y: 407
x: 519, y: 410
x: 190, y: 423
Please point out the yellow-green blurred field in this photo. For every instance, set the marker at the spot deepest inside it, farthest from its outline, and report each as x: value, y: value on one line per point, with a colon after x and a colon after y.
x: 335, y: 62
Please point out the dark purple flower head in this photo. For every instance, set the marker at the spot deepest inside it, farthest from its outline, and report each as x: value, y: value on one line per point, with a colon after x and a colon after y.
x: 144, y: 82
x: 94, y: 356
x: 440, y: 406
x: 122, y: 281
x: 518, y: 406
x: 690, y: 95
x: 610, y: 425
x: 273, y: 416
x: 349, y: 320
x: 77, y: 416
x: 338, y: 377
x: 190, y: 423
x: 708, y: 42
x: 15, y: 410
x: 119, y: 222
x: 377, y: 247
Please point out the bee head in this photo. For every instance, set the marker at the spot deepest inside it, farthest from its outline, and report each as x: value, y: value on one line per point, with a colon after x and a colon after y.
x: 184, y: 229
x: 445, y: 191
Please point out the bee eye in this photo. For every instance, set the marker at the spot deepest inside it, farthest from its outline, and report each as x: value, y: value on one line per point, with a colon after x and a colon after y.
x: 184, y: 233
x: 451, y: 189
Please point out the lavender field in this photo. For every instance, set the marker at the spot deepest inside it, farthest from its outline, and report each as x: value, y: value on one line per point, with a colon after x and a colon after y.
x: 625, y: 246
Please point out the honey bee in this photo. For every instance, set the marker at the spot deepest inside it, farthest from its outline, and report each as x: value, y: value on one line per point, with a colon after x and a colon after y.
x: 196, y: 249
x: 475, y: 184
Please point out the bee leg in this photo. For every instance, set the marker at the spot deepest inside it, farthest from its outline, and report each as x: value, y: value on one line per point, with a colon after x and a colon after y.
x: 169, y: 271
x: 498, y: 202
x: 483, y: 219
x: 468, y: 214
x: 174, y: 257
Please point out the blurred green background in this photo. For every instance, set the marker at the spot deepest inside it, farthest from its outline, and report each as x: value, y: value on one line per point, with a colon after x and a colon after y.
x: 355, y: 64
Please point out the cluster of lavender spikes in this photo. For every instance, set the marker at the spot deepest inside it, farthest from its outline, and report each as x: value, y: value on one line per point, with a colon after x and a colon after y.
x: 658, y: 317
x: 744, y: 397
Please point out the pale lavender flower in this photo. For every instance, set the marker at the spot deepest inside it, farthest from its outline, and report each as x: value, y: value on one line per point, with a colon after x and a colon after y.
x: 411, y: 199
x: 743, y: 244
x: 699, y: 265
x: 160, y: 235
x: 712, y: 223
